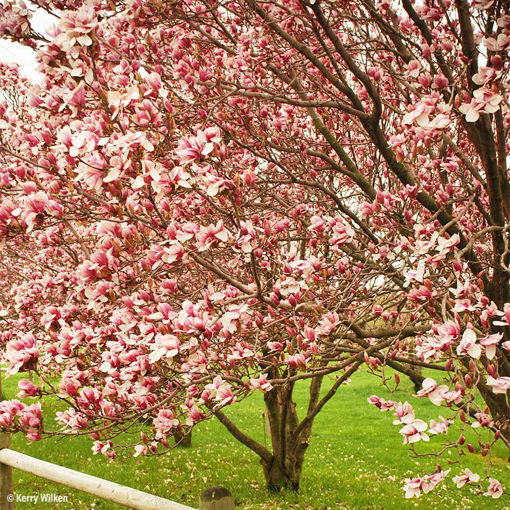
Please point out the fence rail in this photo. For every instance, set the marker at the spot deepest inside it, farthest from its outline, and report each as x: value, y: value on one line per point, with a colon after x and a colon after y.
x: 214, y: 498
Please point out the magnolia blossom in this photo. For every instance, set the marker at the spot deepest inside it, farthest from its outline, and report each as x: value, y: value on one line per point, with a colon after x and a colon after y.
x: 165, y: 421
x: 499, y: 385
x: 404, y: 413
x: 297, y: 361
x: 22, y: 352
x: 186, y: 216
x: 468, y: 345
x: 105, y: 448
x: 484, y: 101
x: 199, y: 146
x: 439, y: 427
x: 490, y: 343
x: 383, y: 405
x: 414, y: 487
x: 219, y: 390
x: 261, y: 383
x: 27, y: 388
x: 495, y: 489
x: 467, y: 478
x: 414, y: 432
x: 483, y: 420
x: 444, y: 335
x: 506, y: 316
x: 140, y: 449
x: 165, y: 346
x: 75, y: 28
x: 415, y: 274
x: 433, y: 391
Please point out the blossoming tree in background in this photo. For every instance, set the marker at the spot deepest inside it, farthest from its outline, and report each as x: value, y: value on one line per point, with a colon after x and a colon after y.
x: 203, y: 199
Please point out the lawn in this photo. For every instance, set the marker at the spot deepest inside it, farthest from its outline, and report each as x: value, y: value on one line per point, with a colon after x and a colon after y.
x: 356, y: 461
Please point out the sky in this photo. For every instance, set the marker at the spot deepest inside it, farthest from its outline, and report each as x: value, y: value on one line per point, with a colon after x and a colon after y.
x: 22, y: 55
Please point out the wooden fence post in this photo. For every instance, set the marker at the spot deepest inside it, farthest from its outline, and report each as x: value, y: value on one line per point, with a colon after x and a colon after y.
x: 6, y: 493
x: 216, y: 498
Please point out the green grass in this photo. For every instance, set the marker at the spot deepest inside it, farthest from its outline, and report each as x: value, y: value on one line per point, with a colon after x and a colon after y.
x: 355, y: 461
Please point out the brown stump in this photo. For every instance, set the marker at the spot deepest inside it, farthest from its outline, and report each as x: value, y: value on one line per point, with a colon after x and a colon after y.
x: 183, y: 440
x: 216, y: 498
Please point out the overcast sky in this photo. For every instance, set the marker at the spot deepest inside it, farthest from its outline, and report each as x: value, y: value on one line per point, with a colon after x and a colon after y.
x: 25, y: 57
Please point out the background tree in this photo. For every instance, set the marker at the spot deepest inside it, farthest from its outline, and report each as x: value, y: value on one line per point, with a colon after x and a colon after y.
x: 239, y: 195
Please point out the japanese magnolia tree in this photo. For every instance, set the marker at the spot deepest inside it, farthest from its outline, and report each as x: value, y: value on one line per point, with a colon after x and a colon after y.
x: 202, y: 199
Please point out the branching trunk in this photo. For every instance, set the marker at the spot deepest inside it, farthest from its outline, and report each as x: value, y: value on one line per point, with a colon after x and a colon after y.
x: 290, y: 437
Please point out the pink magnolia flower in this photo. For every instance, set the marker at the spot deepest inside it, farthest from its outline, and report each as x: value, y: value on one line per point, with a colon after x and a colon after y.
x: 261, y: 383
x: 165, y: 346
x: 341, y: 232
x: 506, y: 316
x: 275, y: 346
x: 404, y: 413
x: 482, y: 420
x: 140, y: 449
x: 103, y: 448
x: 448, y: 331
x: 199, y: 146
x: 499, y: 385
x: 468, y: 477
x: 485, y: 75
x: 445, y: 334
x: 414, y: 432
x: 490, y: 342
x: 74, y: 28
x: 297, y: 361
x: 454, y: 396
x: 27, y: 388
x: 194, y: 415
x: 165, y: 422
x: 367, y: 209
x: 74, y: 420
x: 415, y: 486
x: 431, y: 390
x: 383, y: 405
x: 419, y: 114
x: 484, y: 101
x: 415, y: 275
x: 495, y: 489
x: 211, y: 235
x: 30, y: 416
x: 439, y: 427
x: 468, y: 345
x: 22, y: 353
x: 154, y: 81
x: 9, y: 409
x: 69, y: 386
x: 220, y: 390
x: 501, y: 43
x: 240, y: 351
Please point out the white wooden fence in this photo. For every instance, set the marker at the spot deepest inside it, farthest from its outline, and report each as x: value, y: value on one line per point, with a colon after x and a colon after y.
x: 214, y: 498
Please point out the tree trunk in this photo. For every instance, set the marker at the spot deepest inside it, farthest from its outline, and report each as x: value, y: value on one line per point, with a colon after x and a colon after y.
x: 283, y: 469
x: 280, y: 477
x: 282, y: 461
x: 499, y: 410
x: 416, y: 377
x: 182, y: 439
